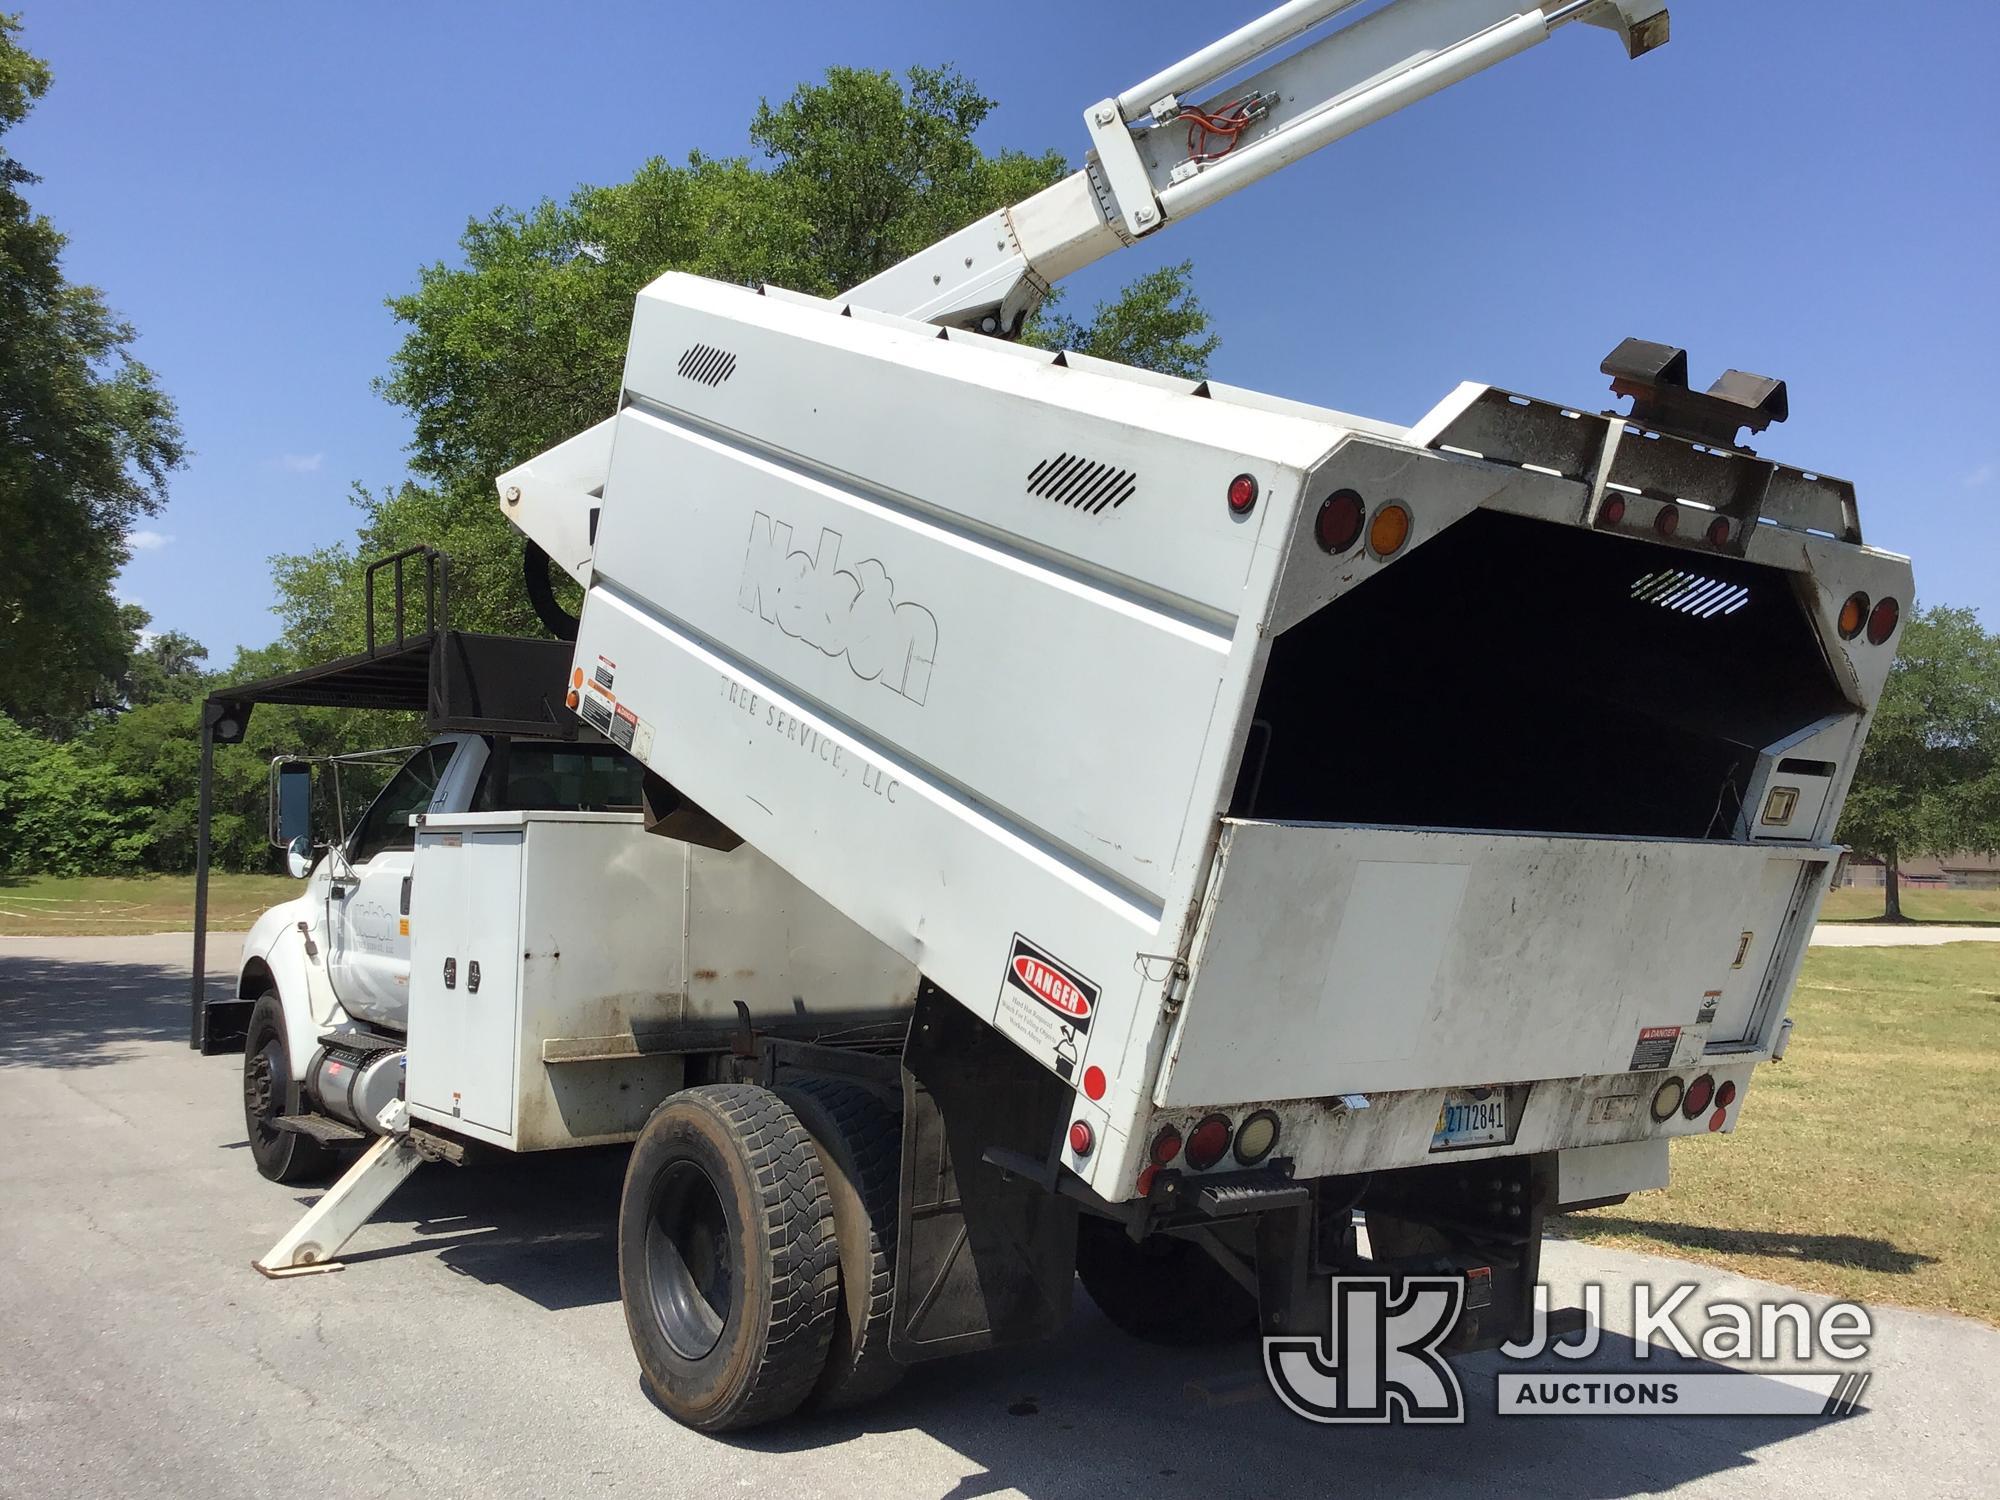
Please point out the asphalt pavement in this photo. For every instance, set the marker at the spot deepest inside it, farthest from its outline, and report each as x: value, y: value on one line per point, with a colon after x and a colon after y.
x: 474, y: 1346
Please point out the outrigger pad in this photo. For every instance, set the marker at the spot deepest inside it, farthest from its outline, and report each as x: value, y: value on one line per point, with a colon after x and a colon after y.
x: 1655, y: 376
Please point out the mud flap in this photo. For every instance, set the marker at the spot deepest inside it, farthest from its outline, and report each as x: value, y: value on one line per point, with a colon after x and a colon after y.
x: 985, y: 1257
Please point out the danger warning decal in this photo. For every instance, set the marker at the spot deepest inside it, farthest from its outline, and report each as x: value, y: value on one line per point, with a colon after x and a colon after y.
x: 1046, y: 1006
x: 1655, y: 1049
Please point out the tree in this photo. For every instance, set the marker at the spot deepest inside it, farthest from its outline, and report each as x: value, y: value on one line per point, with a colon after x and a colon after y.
x: 522, y: 343
x: 87, y: 440
x: 1929, y: 778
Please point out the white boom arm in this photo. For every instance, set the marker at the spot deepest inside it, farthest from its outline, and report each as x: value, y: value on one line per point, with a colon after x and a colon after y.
x: 1153, y: 159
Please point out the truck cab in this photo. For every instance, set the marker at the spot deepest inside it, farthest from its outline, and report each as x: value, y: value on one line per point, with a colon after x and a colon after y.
x: 337, y: 956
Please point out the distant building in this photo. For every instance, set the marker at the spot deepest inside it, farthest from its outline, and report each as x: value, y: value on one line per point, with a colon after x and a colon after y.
x: 1966, y: 872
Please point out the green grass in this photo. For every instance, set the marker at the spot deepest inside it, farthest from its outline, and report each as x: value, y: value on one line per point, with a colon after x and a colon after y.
x: 1867, y: 1163
x: 93, y: 906
x: 1854, y: 905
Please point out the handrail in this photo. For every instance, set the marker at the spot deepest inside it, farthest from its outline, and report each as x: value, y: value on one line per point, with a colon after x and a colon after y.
x: 437, y: 576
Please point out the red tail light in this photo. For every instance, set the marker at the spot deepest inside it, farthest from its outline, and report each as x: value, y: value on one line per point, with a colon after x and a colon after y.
x: 1166, y: 1146
x: 1699, y: 1093
x: 1882, y: 621
x: 1668, y: 521
x: 1208, y: 1143
x: 1718, y: 532
x: 1339, y: 524
x: 1242, y: 494
x: 1612, y: 511
x: 1725, y: 1096
x: 1081, y: 1138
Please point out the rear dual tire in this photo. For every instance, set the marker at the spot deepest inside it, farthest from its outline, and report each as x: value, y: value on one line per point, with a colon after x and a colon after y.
x: 727, y: 1263
x: 756, y: 1251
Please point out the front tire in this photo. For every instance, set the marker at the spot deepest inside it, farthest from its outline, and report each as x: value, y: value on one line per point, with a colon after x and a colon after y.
x: 267, y: 1075
x: 727, y: 1262
x: 1162, y: 1290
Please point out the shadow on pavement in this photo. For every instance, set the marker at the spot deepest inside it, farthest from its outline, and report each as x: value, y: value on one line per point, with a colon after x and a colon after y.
x: 76, y: 1013
x: 1829, y: 1249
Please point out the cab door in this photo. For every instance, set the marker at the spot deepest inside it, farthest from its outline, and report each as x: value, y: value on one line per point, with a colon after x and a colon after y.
x: 370, y: 895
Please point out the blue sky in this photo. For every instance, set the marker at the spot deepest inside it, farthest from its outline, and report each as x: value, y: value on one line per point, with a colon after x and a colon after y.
x: 1807, y: 190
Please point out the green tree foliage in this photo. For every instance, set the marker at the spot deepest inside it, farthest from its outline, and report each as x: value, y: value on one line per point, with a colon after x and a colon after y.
x: 87, y: 440
x: 1929, y: 778
x: 517, y: 345
x: 521, y: 343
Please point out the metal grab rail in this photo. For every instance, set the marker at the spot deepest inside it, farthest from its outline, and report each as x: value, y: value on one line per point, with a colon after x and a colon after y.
x: 437, y: 584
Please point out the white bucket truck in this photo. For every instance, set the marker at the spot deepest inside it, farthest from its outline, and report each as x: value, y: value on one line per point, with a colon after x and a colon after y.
x: 1098, y: 822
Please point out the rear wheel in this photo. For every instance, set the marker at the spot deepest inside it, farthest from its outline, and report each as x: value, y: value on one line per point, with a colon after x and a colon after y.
x: 267, y: 1075
x: 860, y: 1143
x: 726, y: 1257
x: 1163, y: 1290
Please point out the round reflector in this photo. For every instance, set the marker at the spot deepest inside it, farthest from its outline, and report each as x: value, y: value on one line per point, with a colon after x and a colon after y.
x: 1725, y: 1096
x: 1257, y: 1136
x: 1146, y: 1176
x: 1718, y: 532
x: 1080, y: 1138
x: 1166, y: 1145
x: 570, y: 699
x: 1853, y: 615
x: 1209, y: 1142
x: 1668, y: 521
x: 1242, y: 494
x: 1699, y: 1093
x: 1389, y: 530
x: 1715, y: 1120
x: 1093, y: 1082
x: 1612, y: 511
x: 1882, y: 621
x: 1338, y: 526
x: 1667, y: 1099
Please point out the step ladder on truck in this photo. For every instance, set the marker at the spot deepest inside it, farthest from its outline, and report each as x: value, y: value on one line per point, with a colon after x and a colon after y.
x: 1101, y: 823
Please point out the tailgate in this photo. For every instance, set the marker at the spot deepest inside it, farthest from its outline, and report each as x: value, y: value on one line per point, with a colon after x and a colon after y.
x: 1340, y: 959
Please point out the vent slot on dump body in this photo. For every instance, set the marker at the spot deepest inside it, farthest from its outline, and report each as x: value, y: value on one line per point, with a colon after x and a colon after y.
x: 1073, y: 480
x: 1690, y: 593
x: 708, y: 364
x: 1516, y: 675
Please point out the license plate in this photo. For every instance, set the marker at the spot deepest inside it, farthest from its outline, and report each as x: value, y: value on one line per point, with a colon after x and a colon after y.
x: 1471, y: 1117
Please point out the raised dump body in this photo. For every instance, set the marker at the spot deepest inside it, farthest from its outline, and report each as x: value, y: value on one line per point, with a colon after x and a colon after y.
x: 1225, y: 752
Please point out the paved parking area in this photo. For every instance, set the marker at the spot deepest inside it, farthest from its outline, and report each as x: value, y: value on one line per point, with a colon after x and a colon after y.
x: 475, y: 1347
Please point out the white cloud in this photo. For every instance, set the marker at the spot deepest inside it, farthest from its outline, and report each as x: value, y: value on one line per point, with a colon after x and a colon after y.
x: 301, y: 463
x: 148, y: 541
x: 1979, y: 477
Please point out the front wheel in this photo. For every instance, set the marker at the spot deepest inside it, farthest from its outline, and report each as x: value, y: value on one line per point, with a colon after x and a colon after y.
x: 280, y: 1155
x: 727, y: 1262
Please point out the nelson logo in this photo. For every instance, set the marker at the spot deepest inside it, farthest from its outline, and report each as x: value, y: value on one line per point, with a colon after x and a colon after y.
x: 1052, y: 982
x: 849, y: 612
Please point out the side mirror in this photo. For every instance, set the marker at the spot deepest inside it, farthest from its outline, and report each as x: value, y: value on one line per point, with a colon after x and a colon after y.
x: 299, y: 857
x: 291, y: 804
